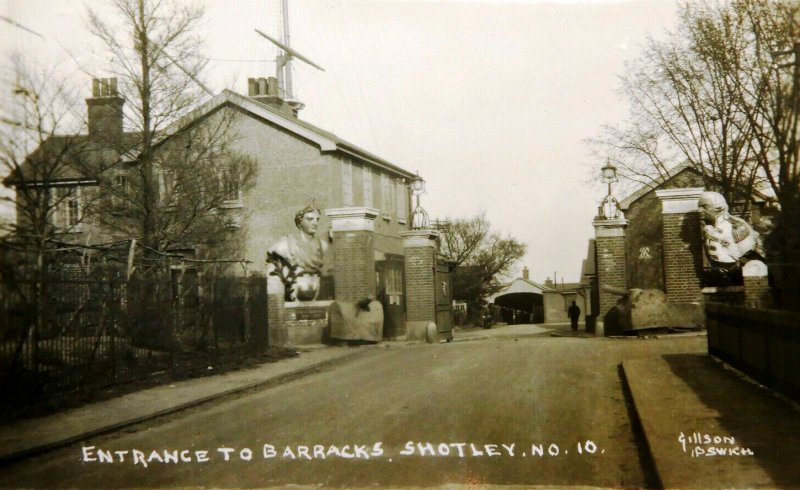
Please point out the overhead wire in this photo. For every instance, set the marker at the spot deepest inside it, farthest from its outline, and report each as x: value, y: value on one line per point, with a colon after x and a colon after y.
x: 359, y: 85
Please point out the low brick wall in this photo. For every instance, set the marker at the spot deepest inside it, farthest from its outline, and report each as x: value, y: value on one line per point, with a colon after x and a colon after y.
x: 763, y: 343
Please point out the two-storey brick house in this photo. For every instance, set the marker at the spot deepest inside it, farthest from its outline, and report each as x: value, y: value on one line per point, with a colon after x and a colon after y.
x: 297, y: 164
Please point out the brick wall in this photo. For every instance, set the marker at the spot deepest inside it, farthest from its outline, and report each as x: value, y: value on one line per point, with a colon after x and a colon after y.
x: 683, y: 260
x: 610, y: 269
x: 643, y: 236
x: 420, y: 301
x: 354, y: 265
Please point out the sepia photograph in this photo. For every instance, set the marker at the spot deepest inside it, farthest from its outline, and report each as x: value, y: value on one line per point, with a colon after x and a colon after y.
x: 400, y: 244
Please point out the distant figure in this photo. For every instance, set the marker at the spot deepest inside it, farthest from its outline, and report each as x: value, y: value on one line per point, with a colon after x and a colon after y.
x: 574, y: 313
x: 298, y: 260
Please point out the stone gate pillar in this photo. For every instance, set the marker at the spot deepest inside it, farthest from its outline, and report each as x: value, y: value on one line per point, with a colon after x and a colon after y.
x: 353, y: 256
x: 756, y: 285
x: 683, y: 244
x: 610, y: 248
x: 419, y: 247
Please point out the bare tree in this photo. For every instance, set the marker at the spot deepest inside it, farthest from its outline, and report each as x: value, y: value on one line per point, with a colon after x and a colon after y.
x: 200, y: 183
x: 707, y: 95
x: 40, y: 149
x: 155, y: 57
x: 722, y: 93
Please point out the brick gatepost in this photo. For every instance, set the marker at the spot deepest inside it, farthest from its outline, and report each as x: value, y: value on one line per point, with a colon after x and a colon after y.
x: 353, y: 256
x: 683, y: 244
x: 610, y: 248
x: 419, y: 247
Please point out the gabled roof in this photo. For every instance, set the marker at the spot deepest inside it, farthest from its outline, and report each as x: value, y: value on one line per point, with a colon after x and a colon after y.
x: 326, y: 141
x: 519, y: 285
x: 640, y: 191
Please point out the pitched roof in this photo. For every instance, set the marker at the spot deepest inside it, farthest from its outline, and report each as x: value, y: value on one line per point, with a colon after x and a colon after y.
x: 74, y: 157
x: 654, y: 182
x: 326, y: 140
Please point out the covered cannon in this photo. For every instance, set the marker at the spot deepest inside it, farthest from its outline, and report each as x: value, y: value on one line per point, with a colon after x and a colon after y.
x: 646, y: 309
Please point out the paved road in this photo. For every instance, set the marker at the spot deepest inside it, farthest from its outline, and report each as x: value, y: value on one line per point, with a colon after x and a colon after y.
x: 460, y: 413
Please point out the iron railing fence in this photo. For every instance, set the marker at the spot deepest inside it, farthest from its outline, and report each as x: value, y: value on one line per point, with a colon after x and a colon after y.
x: 72, y: 330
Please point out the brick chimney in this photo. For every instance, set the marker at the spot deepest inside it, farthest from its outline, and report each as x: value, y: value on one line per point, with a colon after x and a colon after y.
x: 105, y: 112
x: 267, y: 91
x: 525, y: 273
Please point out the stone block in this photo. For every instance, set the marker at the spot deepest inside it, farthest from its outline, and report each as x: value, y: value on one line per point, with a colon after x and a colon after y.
x: 351, y: 321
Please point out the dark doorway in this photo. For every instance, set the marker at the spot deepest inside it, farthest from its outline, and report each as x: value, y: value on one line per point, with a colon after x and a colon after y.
x: 530, y: 307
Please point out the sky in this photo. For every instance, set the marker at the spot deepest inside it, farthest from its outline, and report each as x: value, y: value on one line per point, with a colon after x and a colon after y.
x: 491, y: 101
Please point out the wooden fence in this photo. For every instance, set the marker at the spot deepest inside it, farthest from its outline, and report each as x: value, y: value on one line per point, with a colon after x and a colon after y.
x: 763, y: 343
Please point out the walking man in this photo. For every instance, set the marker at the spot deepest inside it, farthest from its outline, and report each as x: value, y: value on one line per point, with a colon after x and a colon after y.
x: 574, y: 313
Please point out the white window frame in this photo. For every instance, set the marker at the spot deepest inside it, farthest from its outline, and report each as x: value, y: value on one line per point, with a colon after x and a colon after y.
x: 366, y: 184
x: 394, y: 284
x: 226, y: 178
x: 63, y: 198
x: 120, y: 186
x: 347, y: 182
x: 167, y: 195
x: 401, y: 196
x: 387, y: 196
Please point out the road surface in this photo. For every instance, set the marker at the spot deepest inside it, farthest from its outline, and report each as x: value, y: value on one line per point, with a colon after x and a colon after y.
x: 527, y: 411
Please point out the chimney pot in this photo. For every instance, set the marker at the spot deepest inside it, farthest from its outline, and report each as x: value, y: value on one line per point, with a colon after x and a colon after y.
x: 525, y: 273
x: 273, y: 87
x: 262, y: 86
x: 252, y: 87
x: 105, y: 111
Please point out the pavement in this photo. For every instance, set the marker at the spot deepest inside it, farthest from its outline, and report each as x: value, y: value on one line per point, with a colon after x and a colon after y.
x: 29, y: 437
x: 708, y: 426
x: 705, y: 425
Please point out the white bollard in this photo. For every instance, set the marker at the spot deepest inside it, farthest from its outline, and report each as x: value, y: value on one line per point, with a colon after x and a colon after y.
x: 431, y: 334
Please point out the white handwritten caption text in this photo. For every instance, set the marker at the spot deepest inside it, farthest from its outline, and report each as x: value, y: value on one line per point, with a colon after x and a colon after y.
x: 138, y: 457
x: 705, y: 445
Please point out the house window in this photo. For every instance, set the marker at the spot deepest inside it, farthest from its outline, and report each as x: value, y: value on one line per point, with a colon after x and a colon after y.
x: 366, y: 177
x: 401, y: 199
x: 67, y: 207
x: 347, y: 182
x: 387, y: 195
x: 119, y: 190
x: 394, y: 284
x: 166, y: 187
x: 229, y: 185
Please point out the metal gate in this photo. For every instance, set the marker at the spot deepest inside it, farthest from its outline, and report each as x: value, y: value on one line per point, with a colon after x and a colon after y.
x: 444, y: 310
